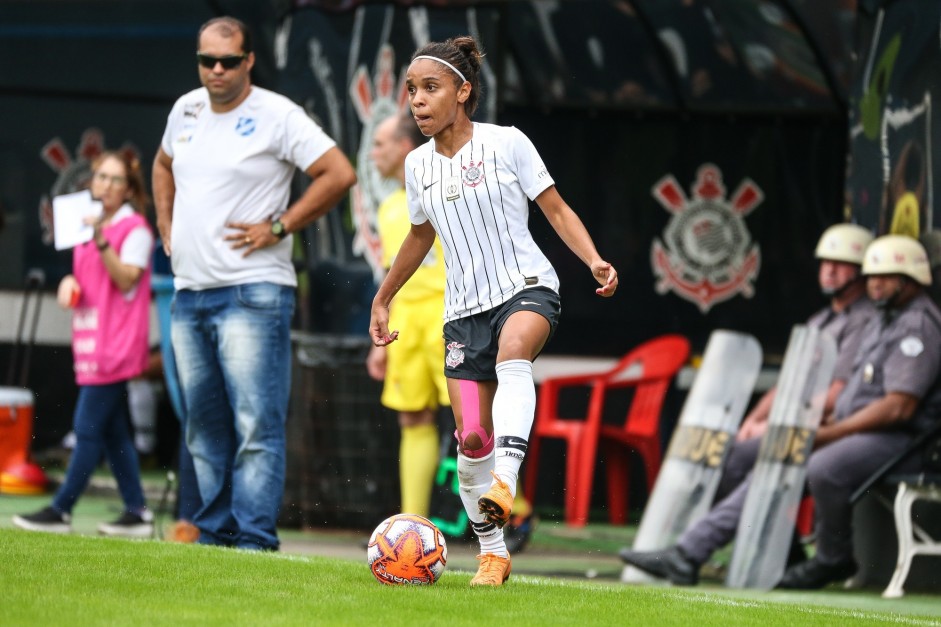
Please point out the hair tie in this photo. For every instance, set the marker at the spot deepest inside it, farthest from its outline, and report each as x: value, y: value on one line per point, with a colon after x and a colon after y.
x: 456, y: 71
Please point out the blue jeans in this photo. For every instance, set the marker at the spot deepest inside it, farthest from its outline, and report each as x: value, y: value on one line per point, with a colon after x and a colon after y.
x: 102, y: 425
x: 187, y: 494
x: 233, y: 356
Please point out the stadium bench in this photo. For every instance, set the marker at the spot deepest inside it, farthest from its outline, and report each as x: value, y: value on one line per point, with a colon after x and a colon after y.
x: 925, y: 485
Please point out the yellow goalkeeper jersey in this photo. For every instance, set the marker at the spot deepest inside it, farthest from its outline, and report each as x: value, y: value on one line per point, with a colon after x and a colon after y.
x: 394, y: 224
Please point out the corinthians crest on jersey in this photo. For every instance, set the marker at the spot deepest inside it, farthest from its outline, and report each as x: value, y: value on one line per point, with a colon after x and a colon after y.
x: 473, y: 173
x: 707, y: 255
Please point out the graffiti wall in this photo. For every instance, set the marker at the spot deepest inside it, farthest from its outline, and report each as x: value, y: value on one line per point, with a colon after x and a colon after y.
x: 895, y: 123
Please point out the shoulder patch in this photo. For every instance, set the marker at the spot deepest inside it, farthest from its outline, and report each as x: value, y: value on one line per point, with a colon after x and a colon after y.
x: 911, y: 346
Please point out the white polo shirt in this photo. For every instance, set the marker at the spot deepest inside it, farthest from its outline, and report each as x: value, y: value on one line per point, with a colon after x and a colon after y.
x: 478, y: 202
x: 234, y: 167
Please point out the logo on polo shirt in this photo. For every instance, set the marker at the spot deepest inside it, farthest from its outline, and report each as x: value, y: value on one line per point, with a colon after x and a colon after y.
x: 245, y: 126
x: 193, y: 109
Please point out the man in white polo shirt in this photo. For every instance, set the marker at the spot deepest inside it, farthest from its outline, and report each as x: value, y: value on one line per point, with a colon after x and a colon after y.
x: 221, y: 182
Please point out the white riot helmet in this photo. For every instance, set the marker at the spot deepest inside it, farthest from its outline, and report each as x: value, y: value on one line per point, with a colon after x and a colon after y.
x: 844, y: 242
x: 898, y: 254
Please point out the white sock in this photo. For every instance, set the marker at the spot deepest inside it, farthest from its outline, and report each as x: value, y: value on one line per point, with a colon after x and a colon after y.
x: 475, y: 479
x: 514, y: 407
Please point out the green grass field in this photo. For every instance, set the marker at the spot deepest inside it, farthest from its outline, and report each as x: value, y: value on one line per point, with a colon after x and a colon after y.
x: 567, y: 575
x: 84, y: 580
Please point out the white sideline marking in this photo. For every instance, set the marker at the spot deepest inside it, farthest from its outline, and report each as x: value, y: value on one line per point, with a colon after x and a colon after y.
x: 707, y: 599
x: 808, y: 609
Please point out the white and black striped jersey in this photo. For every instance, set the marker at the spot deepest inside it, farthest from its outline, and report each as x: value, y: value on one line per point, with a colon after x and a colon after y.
x: 478, y: 202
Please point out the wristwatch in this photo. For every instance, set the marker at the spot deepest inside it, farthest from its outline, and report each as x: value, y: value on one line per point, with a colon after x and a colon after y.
x: 278, y: 230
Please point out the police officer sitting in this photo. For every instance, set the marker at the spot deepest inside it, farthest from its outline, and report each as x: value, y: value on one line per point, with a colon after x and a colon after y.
x: 892, y: 395
x: 841, y: 249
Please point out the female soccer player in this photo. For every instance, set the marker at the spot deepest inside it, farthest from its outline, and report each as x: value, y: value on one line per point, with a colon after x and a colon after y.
x: 471, y: 185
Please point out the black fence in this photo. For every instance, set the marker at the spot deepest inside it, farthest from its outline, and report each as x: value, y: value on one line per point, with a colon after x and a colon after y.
x: 342, y: 448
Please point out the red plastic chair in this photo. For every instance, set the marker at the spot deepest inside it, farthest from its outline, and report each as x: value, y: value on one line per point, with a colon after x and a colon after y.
x: 649, y: 369
x: 805, y: 517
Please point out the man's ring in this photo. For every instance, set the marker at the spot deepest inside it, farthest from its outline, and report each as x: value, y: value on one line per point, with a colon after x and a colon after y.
x: 248, y: 240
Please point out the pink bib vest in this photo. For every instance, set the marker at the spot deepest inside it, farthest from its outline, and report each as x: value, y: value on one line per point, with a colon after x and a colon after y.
x: 109, y: 329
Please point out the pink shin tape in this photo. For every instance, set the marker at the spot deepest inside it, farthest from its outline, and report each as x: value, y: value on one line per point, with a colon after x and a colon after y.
x: 470, y: 404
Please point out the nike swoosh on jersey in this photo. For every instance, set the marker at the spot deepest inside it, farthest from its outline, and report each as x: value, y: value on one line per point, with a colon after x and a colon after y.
x: 429, y: 185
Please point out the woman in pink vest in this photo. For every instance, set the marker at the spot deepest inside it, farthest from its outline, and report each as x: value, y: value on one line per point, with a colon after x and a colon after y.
x: 110, y: 293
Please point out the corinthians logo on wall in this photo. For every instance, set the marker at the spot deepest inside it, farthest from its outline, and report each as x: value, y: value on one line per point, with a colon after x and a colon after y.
x: 73, y: 173
x: 374, y: 100
x: 707, y: 255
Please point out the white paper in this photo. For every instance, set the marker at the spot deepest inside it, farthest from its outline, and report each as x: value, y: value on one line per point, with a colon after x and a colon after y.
x: 68, y: 218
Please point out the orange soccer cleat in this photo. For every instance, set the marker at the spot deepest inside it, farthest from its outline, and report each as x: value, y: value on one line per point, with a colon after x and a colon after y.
x: 493, y: 570
x: 497, y: 503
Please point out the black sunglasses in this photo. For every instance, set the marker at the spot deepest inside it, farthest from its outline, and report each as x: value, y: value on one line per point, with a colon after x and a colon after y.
x: 228, y: 63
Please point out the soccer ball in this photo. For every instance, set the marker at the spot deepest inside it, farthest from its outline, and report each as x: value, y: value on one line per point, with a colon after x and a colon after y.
x: 407, y: 549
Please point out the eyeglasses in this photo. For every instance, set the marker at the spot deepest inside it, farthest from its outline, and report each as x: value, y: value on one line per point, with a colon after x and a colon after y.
x: 229, y: 62
x: 101, y: 177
